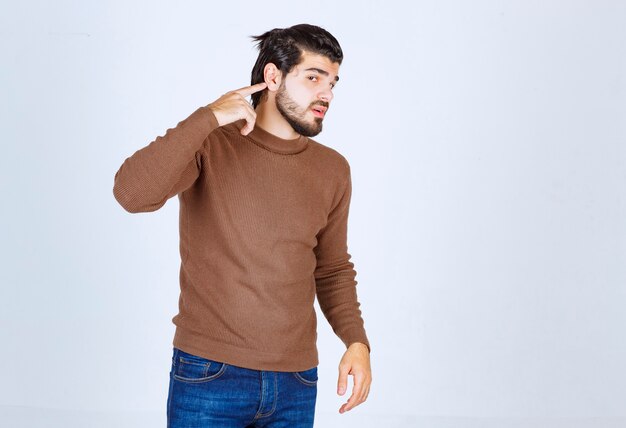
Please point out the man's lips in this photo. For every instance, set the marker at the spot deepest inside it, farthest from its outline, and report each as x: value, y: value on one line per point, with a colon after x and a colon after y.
x: 319, y: 111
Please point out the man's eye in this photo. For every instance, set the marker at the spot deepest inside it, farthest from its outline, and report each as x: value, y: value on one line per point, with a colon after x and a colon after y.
x: 332, y: 85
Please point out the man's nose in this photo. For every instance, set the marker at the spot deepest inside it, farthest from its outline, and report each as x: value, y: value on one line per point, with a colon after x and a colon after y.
x: 326, y: 95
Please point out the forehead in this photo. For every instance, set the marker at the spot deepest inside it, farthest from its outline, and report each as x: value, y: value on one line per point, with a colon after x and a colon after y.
x: 313, y: 60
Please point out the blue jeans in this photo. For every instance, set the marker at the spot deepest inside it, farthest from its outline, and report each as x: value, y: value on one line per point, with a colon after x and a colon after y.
x: 206, y: 393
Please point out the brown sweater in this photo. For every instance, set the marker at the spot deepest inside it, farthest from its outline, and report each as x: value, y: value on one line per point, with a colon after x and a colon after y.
x: 263, y: 231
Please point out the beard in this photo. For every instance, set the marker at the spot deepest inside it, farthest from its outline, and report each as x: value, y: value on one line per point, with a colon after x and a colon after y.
x: 295, y: 115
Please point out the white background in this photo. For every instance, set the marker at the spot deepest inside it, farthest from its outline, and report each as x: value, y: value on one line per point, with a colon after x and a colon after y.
x: 487, y: 225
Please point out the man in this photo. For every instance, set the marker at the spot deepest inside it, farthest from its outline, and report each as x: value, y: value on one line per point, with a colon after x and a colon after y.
x: 263, y: 231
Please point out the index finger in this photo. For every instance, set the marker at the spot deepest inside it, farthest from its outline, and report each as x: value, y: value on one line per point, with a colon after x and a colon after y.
x: 249, y: 90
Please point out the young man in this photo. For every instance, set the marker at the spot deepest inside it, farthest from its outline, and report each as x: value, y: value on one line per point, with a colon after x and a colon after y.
x: 263, y: 231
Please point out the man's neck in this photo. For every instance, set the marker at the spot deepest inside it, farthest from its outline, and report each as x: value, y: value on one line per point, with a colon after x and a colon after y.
x: 270, y: 119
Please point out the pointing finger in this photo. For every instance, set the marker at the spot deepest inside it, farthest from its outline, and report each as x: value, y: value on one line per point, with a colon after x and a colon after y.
x: 249, y: 90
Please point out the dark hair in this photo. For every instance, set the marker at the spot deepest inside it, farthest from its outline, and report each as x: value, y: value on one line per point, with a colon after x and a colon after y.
x: 284, y: 46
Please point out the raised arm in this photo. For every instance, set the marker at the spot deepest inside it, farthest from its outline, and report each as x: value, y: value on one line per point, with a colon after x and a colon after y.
x: 169, y: 164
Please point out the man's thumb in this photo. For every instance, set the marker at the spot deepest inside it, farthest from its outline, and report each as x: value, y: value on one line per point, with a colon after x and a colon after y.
x: 342, y: 384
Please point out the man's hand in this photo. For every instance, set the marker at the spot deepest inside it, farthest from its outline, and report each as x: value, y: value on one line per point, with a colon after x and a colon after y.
x: 233, y: 106
x: 355, y: 362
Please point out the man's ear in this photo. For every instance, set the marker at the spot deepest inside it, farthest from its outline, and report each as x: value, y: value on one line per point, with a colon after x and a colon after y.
x: 272, y: 76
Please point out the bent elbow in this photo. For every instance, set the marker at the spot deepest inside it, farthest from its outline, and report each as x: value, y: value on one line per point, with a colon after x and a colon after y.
x: 132, y: 203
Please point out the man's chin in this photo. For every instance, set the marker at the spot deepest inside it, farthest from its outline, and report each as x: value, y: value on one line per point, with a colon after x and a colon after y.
x: 307, y: 130
x: 317, y: 128
x: 313, y: 132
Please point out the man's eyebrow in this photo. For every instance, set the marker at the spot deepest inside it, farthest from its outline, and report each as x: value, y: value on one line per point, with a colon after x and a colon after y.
x: 320, y: 71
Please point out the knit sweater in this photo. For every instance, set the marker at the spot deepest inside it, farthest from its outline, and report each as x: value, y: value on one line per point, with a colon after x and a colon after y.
x: 263, y: 231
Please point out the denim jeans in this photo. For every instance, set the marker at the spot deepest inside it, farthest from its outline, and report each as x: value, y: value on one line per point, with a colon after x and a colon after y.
x: 206, y: 393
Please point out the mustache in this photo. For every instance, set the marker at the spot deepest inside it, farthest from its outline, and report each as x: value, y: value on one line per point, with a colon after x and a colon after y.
x: 322, y: 103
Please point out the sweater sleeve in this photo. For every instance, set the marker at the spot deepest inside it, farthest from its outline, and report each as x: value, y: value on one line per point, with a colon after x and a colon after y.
x: 335, y: 274
x: 166, y: 166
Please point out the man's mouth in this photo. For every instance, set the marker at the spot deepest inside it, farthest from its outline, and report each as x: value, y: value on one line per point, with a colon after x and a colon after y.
x: 319, y: 111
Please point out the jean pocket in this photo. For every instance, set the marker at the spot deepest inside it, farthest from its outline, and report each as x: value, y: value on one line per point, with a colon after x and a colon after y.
x: 194, y: 369
x: 307, y: 377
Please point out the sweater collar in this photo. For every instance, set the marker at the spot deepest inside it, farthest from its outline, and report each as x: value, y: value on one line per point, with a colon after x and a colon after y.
x: 272, y: 142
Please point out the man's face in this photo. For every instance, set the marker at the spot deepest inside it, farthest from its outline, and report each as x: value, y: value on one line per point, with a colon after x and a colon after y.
x: 305, y: 93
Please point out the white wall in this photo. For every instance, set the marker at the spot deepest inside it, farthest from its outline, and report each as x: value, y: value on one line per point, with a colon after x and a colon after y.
x: 487, y: 227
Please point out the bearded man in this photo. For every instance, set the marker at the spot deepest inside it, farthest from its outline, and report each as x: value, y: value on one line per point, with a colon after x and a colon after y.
x: 263, y: 232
